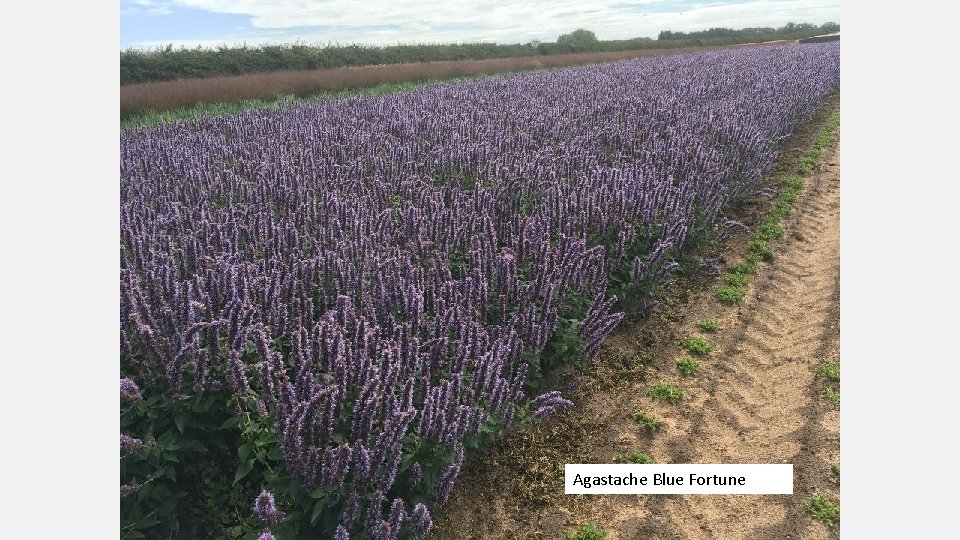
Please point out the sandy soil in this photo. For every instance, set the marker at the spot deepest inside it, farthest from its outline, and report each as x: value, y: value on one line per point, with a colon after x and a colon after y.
x: 754, y: 400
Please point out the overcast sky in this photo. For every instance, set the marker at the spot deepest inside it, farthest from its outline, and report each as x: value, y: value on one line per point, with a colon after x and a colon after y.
x: 150, y: 23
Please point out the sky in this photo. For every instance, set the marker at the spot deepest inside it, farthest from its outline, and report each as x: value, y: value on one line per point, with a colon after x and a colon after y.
x: 147, y: 24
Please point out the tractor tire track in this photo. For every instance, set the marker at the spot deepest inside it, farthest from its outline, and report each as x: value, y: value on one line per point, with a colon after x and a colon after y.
x: 754, y: 400
x: 764, y: 403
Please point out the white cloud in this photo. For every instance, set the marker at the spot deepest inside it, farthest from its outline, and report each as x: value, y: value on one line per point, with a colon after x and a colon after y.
x: 392, y: 21
x: 145, y: 7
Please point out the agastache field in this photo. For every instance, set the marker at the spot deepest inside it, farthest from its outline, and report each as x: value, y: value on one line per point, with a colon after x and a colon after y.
x: 347, y: 296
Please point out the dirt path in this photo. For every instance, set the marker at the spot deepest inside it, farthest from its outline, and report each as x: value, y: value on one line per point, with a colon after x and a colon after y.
x: 754, y: 400
x: 760, y: 401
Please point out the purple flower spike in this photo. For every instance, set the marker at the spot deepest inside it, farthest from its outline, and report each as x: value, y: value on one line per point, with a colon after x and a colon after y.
x: 265, y: 508
x: 550, y: 403
x: 420, y: 522
x: 129, y: 444
x: 129, y: 391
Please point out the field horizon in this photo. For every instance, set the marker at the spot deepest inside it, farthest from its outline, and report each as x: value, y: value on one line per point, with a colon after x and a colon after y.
x: 164, y: 96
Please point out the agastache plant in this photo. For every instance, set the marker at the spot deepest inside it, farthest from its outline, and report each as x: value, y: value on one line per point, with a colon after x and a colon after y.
x: 373, y: 274
x: 129, y: 444
x: 266, y: 509
x: 129, y: 391
x: 550, y: 403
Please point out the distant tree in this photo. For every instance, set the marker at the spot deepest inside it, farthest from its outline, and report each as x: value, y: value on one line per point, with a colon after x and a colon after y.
x: 579, y: 38
x: 830, y: 28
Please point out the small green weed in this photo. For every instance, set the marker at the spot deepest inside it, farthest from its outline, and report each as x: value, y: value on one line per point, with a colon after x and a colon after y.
x: 780, y: 210
x: 708, y: 325
x: 830, y: 370
x: 833, y: 396
x: 730, y: 295
x: 665, y: 392
x: 736, y: 280
x: 788, y: 196
x: 762, y: 249
x: 770, y: 229
x: 835, y: 469
x: 636, y: 458
x: 687, y: 365
x: 743, y: 268
x: 647, y: 421
x: 590, y: 531
x: 696, y: 345
x: 823, y: 509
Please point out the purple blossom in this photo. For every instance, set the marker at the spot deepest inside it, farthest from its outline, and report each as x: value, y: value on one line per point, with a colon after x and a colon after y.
x: 549, y: 403
x: 420, y: 522
x: 732, y: 224
x: 416, y: 475
x: 265, y: 508
x: 450, y: 475
x: 266, y: 535
x: 129, y: 444
x: 397, y: 516
x: 129, y: 391
x: 128, y: 489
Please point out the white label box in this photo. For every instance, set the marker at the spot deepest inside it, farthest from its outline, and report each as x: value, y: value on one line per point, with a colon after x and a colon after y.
x: 692, y: 478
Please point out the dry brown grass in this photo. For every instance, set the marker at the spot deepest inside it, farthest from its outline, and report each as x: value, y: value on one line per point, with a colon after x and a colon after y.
x: 169, y: 95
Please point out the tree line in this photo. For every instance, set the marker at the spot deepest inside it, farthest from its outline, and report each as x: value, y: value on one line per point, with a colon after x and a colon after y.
x: 169, y: 63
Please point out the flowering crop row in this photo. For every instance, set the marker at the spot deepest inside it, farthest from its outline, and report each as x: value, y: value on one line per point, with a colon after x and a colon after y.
x: 382, y: 278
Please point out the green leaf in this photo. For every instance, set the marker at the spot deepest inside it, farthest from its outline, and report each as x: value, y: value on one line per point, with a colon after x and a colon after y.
x: 167, y: 471
x: 146, y: 522
x: 180, y: 420
x: 231, y: 422
x: 317, y: 510
x: 319, y: 493
x: 244, y: 470
x: 244, y: 452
